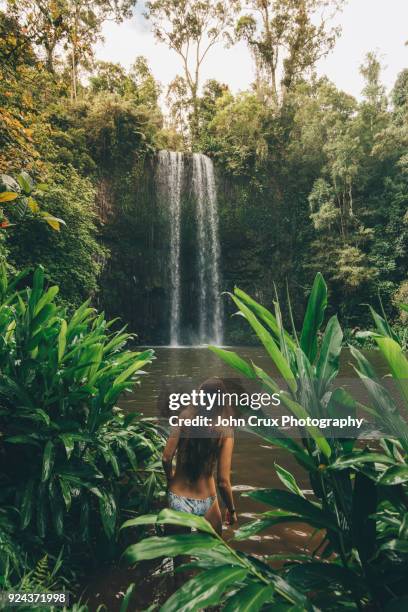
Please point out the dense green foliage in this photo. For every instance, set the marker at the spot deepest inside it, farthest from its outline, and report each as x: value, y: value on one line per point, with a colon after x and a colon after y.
x: 325, y: 178
x: 359, y: 493
x: 71, y: 461
x: 309, y: 178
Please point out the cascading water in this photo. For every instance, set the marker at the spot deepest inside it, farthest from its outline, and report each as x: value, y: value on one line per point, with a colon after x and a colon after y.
x: 208, y: 245
x: 170, y: 177
x: 171, y: 171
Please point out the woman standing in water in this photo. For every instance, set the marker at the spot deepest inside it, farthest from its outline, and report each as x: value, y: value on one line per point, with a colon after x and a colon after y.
x: 191, y: 485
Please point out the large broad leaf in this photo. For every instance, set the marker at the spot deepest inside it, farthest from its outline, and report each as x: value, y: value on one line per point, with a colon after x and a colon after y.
x: 107, y: 508
x: 327, y: 365
x: 396, y: 546
x: 27, y: 504
x: 48, y: 460
x: 398, y: 363
x: 304, y: 509
x: 128, y: 596
x: 316, y: 575
x: 52, y: 221
x: 235, y: 361
x: 145, y: 519
x: 37, y: 288
x: 25, y: 181
x: 288, y: 480
x: 296, y: 409
x: 204, y: 590
x: 184, y: 519
x: 395, y: 475
x: 269, y: 344
x: 172, y: 546
x: 46, y: 298
x: 313, y: 319
x: 386, y: 410
x: 265, y: 315
x: 250, y: 599
x: 357, y: 459
x: 307, y: 396
x: 8, y: 196
x: 383, y: 327
x: 267, y: 520
x: 62, y: 340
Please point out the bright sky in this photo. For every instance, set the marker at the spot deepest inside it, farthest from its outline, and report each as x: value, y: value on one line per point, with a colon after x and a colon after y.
x: 367, y: 25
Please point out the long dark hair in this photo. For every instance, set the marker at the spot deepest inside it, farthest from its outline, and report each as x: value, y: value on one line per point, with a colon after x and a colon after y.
x: 198, y: 454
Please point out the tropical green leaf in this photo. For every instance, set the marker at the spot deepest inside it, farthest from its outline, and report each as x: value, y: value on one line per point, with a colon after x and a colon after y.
x: 66, y: 492
x: 250, y: 599
x: 269, y: 344
x: 383, y: 327
x: 52, y: 221
x: 313, y: 319
x: 8, y: 196
x: 397, y: 361
x: 395, y: 545
x: 184, y: 519
x: 27, y: 504
x: 327, y: 365
x: 288, y: 480
x: 144, y: 519
x: 359, y: 458
x: 264, y: 522
x: 204, y: 590
x: 108, y: 511
x: 296, y: 409
x: 395, y: 475
x: 304, y: 509
x: 128, y: 596
x: 316, y: 575
x: 62, y: 340
x: 25, y: 181
x: 265, y: 315
x: 46, y: 298
x: 68, y: 442
x: 48, y: 460
x: 233, y: 360
x: 172, y: 546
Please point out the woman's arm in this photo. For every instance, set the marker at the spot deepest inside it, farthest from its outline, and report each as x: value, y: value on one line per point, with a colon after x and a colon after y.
x: 168, y: 454
x: 224, y: 478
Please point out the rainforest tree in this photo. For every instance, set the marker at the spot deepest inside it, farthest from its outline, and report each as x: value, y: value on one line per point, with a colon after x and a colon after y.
x: 191, y: 28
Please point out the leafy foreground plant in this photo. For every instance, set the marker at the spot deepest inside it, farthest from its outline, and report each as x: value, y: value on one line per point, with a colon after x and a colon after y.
x: 350, y: 484
x: 361, y: 502
x: 233, y: 578
x: 19, y: 196
x: 71, y: 461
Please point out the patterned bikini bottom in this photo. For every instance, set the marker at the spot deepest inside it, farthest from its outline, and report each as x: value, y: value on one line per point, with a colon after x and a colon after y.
x: 191, y: 505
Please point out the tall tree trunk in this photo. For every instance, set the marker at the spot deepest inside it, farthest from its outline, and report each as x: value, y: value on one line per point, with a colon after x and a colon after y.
x: 49, y: 62
x: 73, y: 75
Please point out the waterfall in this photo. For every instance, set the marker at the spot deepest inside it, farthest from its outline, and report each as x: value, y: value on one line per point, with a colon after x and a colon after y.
x: 169, y: 177
x: 172, y: 173
x: 210, y: 326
